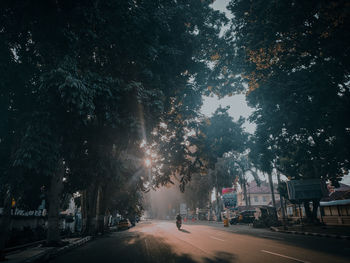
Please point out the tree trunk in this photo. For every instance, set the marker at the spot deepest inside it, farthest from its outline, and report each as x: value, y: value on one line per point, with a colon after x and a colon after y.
x: 56, y: 187
x: 273, y: 196
x: 5, y: 220
x: 272, y: 190
x: 281, y: 200
x: 218, y: 208
x: 91, y: 210
x: 308, y: 211
x: 245, y: 193
x: 311, y: 215
x: 83, y: 205
x: 100, y: 210
x: 315, y: 205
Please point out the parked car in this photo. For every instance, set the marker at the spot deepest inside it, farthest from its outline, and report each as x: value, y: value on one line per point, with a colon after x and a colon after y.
x: 133, y: 222
x: 266, y: 217
x: 246, y: 216
x: 124, y: 224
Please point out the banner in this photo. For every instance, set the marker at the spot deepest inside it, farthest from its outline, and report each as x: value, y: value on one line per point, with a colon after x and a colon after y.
x: 306, y: 189
x: 228, y: 190
x: 230, y: 200
x: 229, y: 197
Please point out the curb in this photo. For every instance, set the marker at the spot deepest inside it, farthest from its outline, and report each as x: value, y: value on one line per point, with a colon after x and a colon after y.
x: 309, y: 233
x: 54, y: 252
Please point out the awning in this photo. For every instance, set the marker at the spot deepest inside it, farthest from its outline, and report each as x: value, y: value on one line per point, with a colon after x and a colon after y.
x: 336, y: 202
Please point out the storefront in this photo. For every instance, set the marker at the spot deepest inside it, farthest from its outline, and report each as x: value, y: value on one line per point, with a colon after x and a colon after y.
x: 336, y: 212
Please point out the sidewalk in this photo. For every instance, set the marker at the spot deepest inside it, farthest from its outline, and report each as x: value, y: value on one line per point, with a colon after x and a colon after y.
x: 342, y: 232
x: 202, y: 222
x: 40, y: 252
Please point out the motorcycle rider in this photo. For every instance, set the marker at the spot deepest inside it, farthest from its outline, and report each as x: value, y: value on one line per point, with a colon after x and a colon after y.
x: 178, y: 217
x: 178, y: 221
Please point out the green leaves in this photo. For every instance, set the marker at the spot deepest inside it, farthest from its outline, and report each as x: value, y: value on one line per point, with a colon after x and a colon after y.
x: 99, y: 76
x: 294, y: 86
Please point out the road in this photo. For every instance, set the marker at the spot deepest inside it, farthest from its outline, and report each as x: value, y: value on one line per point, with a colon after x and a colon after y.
x: 160, y: 241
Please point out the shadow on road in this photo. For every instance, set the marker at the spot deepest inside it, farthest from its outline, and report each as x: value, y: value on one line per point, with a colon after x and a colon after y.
x: 337, y: 247
x: 137, y: 246
x: 221, y: 257
x: 185, y: 231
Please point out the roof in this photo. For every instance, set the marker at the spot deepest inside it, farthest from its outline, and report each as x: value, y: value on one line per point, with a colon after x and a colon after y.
x: 336, y: 202
x: 337, y: 195
x: 340, y: 193
x: 343, y: 187
x: 264, y: 188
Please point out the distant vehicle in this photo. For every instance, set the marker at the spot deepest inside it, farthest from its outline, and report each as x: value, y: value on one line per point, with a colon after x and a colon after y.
x: 246, y: 216
x: 124, y: 224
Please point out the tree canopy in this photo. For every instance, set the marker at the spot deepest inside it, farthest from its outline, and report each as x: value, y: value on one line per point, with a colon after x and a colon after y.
x: 297, y: 70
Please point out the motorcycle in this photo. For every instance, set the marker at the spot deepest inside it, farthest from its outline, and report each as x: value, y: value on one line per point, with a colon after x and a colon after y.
x: 178, y: 224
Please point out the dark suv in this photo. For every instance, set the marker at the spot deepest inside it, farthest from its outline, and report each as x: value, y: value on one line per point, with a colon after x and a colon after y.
x: 246, y: 216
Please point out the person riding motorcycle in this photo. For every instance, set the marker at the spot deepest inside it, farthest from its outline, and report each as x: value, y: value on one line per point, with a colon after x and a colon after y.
x: 178, y: 221
x: 178, y: 217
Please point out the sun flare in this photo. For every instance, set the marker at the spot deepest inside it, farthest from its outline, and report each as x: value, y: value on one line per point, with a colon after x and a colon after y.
x: 148, y: 162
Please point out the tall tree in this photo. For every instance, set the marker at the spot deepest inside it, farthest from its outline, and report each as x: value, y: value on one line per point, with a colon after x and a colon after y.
x: 297, y: 70
x: 235, y: 167
x: 102, y: 73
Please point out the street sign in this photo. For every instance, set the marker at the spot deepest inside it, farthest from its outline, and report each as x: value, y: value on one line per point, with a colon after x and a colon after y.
x: 306, y: 189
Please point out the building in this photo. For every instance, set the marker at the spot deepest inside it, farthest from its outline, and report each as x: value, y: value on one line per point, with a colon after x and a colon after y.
x: 335, y: 209
x: 257, y: 195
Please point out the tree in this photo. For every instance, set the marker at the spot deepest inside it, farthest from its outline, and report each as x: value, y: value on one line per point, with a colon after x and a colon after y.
x: 297, y: 70
x: 99, y: 80
x: 236, y: 166
x: 218, y: 135
x: 215, y: 137
x: 198, y: 191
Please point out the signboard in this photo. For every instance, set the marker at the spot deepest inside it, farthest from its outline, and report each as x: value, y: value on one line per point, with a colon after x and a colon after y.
x: 306, y: 189
x: 230, y: 200
x: 20, y: 212
x: 229, y: 197
x: 228, y: 190
x: 183, y: 209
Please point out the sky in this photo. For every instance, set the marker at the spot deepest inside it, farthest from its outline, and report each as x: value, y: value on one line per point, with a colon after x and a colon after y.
x: 237, y: 103
x: 238, y: 107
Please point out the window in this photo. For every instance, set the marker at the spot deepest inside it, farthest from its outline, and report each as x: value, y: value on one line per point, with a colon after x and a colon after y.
x: 264, y: 199
x: 256, y: 199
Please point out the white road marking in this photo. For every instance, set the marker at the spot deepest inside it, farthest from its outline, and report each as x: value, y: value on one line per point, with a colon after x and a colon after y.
x: 217, y: 238
x: 284, y: 256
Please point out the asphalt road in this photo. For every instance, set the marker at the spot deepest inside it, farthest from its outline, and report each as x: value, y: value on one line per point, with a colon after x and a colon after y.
x: 160, y: 241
